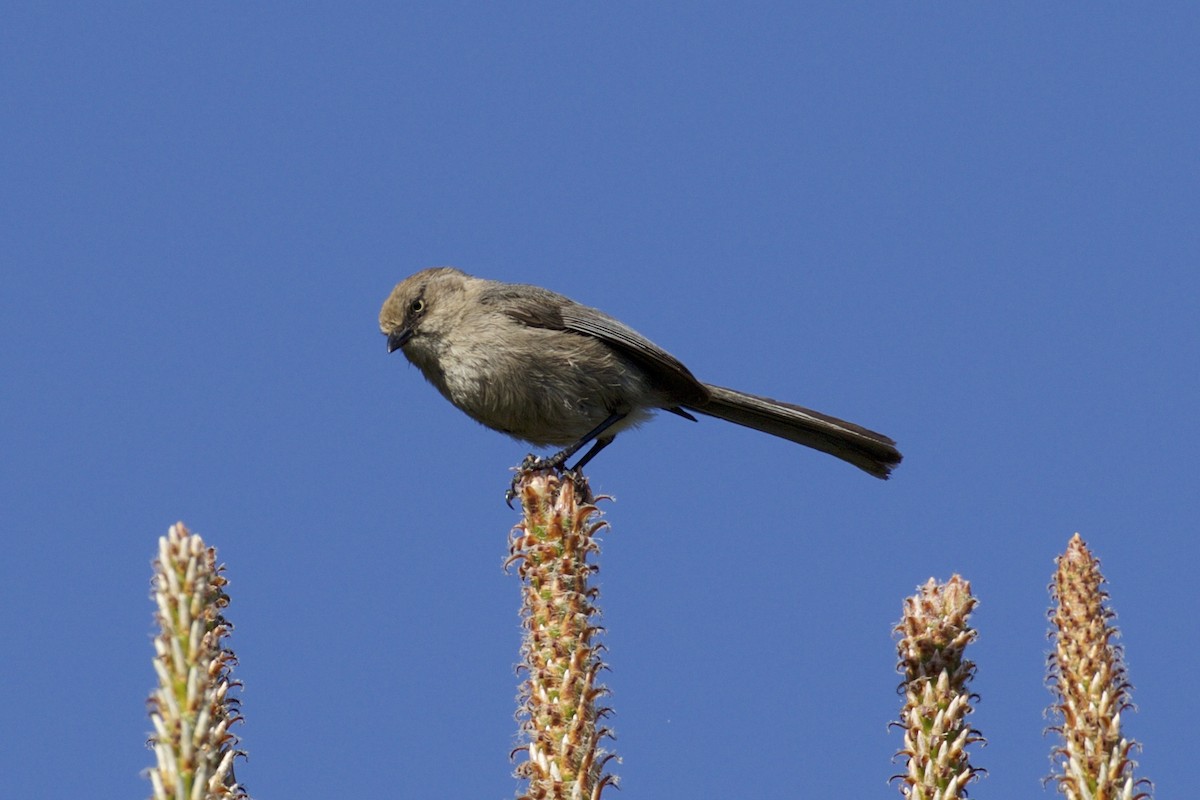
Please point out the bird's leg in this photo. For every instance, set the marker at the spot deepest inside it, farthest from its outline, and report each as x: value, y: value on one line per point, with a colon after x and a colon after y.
x: 532, y: 463
x: 557, y: 460
x: 600, y: 443
x: 582, y: 490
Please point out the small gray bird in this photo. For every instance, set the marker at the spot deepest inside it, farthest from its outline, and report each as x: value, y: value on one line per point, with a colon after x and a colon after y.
x: 540, y: 367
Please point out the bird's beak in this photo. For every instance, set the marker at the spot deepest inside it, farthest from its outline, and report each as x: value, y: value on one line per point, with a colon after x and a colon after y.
x: 398, y: 338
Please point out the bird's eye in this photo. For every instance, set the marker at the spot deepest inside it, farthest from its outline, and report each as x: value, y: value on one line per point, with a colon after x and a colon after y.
x: 417, y: 306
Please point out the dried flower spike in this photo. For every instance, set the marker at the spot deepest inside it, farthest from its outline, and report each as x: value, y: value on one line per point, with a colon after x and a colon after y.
x: 1087, y: 676
x: 559, y: 713
x: 192, y: 709
x: 934, y: 635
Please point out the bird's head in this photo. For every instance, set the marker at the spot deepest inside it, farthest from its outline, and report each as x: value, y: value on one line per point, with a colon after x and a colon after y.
x: 422, y: 305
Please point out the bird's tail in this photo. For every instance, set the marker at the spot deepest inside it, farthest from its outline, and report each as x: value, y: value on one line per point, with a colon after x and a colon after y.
x: 869, y: 451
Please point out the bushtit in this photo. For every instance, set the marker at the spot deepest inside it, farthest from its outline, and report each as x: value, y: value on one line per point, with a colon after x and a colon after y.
x: 540, y: 367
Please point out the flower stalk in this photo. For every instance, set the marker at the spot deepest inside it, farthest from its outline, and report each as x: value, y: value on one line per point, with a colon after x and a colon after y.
x: 934, y: 635
x: 192, y: 708
x: 559, y: 714
x: 1087, y: 676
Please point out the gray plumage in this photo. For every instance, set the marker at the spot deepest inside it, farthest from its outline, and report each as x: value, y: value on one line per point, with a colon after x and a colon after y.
x: 542, y: 368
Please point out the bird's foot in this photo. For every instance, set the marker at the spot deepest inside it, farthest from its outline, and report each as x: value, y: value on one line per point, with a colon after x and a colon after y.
x: 583, y: 489
x: 531, y: 463
x: 534, y: 463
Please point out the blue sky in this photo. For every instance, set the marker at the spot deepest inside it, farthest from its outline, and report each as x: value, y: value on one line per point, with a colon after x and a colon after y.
x: 973, y: 228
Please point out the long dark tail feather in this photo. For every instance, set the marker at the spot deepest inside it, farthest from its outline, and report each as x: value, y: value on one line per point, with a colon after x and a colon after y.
x: 869, y: 451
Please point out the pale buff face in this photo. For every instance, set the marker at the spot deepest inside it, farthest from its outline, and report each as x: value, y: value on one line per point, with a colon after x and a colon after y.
x: 417, y: 304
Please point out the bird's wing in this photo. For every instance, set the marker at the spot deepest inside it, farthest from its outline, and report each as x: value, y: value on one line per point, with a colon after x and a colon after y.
x: 541, y: 308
